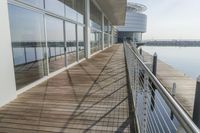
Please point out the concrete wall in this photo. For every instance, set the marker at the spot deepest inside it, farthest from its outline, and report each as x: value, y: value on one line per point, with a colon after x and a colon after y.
x: 7, y: 78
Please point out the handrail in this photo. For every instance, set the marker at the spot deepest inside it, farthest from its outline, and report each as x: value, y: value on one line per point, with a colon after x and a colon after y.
x: 178, y: 111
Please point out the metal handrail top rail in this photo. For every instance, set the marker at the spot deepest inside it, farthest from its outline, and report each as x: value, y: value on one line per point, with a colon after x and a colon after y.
x: 178, y: 111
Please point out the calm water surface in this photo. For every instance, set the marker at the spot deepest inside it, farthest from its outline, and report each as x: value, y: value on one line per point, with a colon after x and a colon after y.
x: 185, y: 59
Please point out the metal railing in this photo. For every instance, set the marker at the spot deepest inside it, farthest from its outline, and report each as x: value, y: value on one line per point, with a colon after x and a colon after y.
x: 155, y: 108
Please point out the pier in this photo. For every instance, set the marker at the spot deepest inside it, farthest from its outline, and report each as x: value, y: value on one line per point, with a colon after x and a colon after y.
x: 185, y: 85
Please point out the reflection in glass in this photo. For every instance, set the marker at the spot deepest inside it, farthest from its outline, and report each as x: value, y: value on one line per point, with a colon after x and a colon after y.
x: 81, y: 43
x: 28, y: 44
x: 106, y: 40
x: 95, y: 17
x: 105, y: 25
x: 55, y: 41
x: 55, y: 6
x: 37, y: 3
x: 75, y: 10
x: 70, y: 29
x: 95, y: 41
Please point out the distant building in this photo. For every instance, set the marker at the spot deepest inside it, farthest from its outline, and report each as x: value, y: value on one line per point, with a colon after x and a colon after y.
x: 135, y: 23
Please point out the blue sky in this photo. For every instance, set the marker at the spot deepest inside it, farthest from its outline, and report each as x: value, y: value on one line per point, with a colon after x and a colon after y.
x: 172, y: 19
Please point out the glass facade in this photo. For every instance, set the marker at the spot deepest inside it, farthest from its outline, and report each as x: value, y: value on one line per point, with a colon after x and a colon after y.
x: 81, y: 42
x: 96, y: 28
x: 95, y: 17
x: 37, y: 3
x: 106, y: 40
x: 75, y: 10
x: 70, y: 29
x: 55, y: 42
x: 55, y: 6
x: 44, y: 41
x: 96, y: 43
x: 28, y: 44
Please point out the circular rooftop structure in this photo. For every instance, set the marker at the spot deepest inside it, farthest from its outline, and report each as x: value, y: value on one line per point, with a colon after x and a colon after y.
x: 136, y: 7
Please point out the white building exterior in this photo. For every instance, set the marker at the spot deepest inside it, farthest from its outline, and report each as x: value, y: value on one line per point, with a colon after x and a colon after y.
x: 135, y: 23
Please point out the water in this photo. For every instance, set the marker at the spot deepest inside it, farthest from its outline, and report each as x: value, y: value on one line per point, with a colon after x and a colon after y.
x: 185, y: 59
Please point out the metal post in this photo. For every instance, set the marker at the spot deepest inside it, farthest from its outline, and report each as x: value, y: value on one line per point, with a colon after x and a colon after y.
x: 154, y: 69
x: 196, y: 110
x: 87, y: 29
x: 145, y: 100
x: 25, y: 56
x: 173, y: 92
x: 102, y: 19
x: 140, y: 51
x: 77, y: 44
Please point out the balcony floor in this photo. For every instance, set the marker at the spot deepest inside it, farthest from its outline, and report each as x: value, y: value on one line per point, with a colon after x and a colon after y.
x: 89, y: 97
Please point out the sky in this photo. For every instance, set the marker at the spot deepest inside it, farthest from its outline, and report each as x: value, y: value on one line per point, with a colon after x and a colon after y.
x: 172, y: 19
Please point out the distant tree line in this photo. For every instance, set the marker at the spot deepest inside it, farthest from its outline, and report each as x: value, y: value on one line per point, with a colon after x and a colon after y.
x: 173, y: 43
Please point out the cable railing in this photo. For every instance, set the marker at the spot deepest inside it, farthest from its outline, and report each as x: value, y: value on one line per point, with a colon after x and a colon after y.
x: 156, y: 110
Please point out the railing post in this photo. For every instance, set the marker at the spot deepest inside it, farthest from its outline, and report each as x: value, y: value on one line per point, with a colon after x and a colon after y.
x: 196, y: 109
x: 145, y: 100
x: 136, y: 80
x: 140, y: 51
x: 173, y: 92
x: 154, y: 70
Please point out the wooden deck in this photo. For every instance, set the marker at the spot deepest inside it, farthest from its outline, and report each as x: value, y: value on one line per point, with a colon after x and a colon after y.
x: 185, y: 86
x: 90, y: 97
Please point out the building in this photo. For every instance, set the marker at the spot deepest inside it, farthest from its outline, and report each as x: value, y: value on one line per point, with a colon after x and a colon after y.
x: 135, y: 23
x: 41, y: 38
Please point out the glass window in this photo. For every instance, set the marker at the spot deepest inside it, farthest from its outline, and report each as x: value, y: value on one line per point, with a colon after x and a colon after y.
x: 55, y: 6
x: 37, y: 3
x: 106, y: 40
x: 70, y: 29
x: 75, y: 10
x: 55, y: 41
x: 80, y: 8
x: 105, y: 25
x: 28, y: 44
x: 95, y: 41
x: 81, y: 43
x: 95, y: 17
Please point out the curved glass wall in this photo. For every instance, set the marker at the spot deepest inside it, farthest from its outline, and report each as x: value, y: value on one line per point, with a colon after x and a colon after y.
x: 70, y: 30
x: 55, y: 41
x: 28, y: 44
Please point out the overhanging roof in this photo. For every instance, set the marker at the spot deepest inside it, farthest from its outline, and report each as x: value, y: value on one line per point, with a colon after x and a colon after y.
x: 115, y: 10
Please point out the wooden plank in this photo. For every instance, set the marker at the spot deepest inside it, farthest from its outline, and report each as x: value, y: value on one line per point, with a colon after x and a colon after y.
x: 91, y: 96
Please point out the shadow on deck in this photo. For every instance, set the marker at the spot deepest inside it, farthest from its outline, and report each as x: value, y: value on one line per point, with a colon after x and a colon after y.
x: 90, y: 97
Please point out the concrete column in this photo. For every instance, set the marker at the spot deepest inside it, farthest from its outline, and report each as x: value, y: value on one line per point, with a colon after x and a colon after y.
x: 102, y: 31
x: 87, y: 28
x: 7, y: 77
